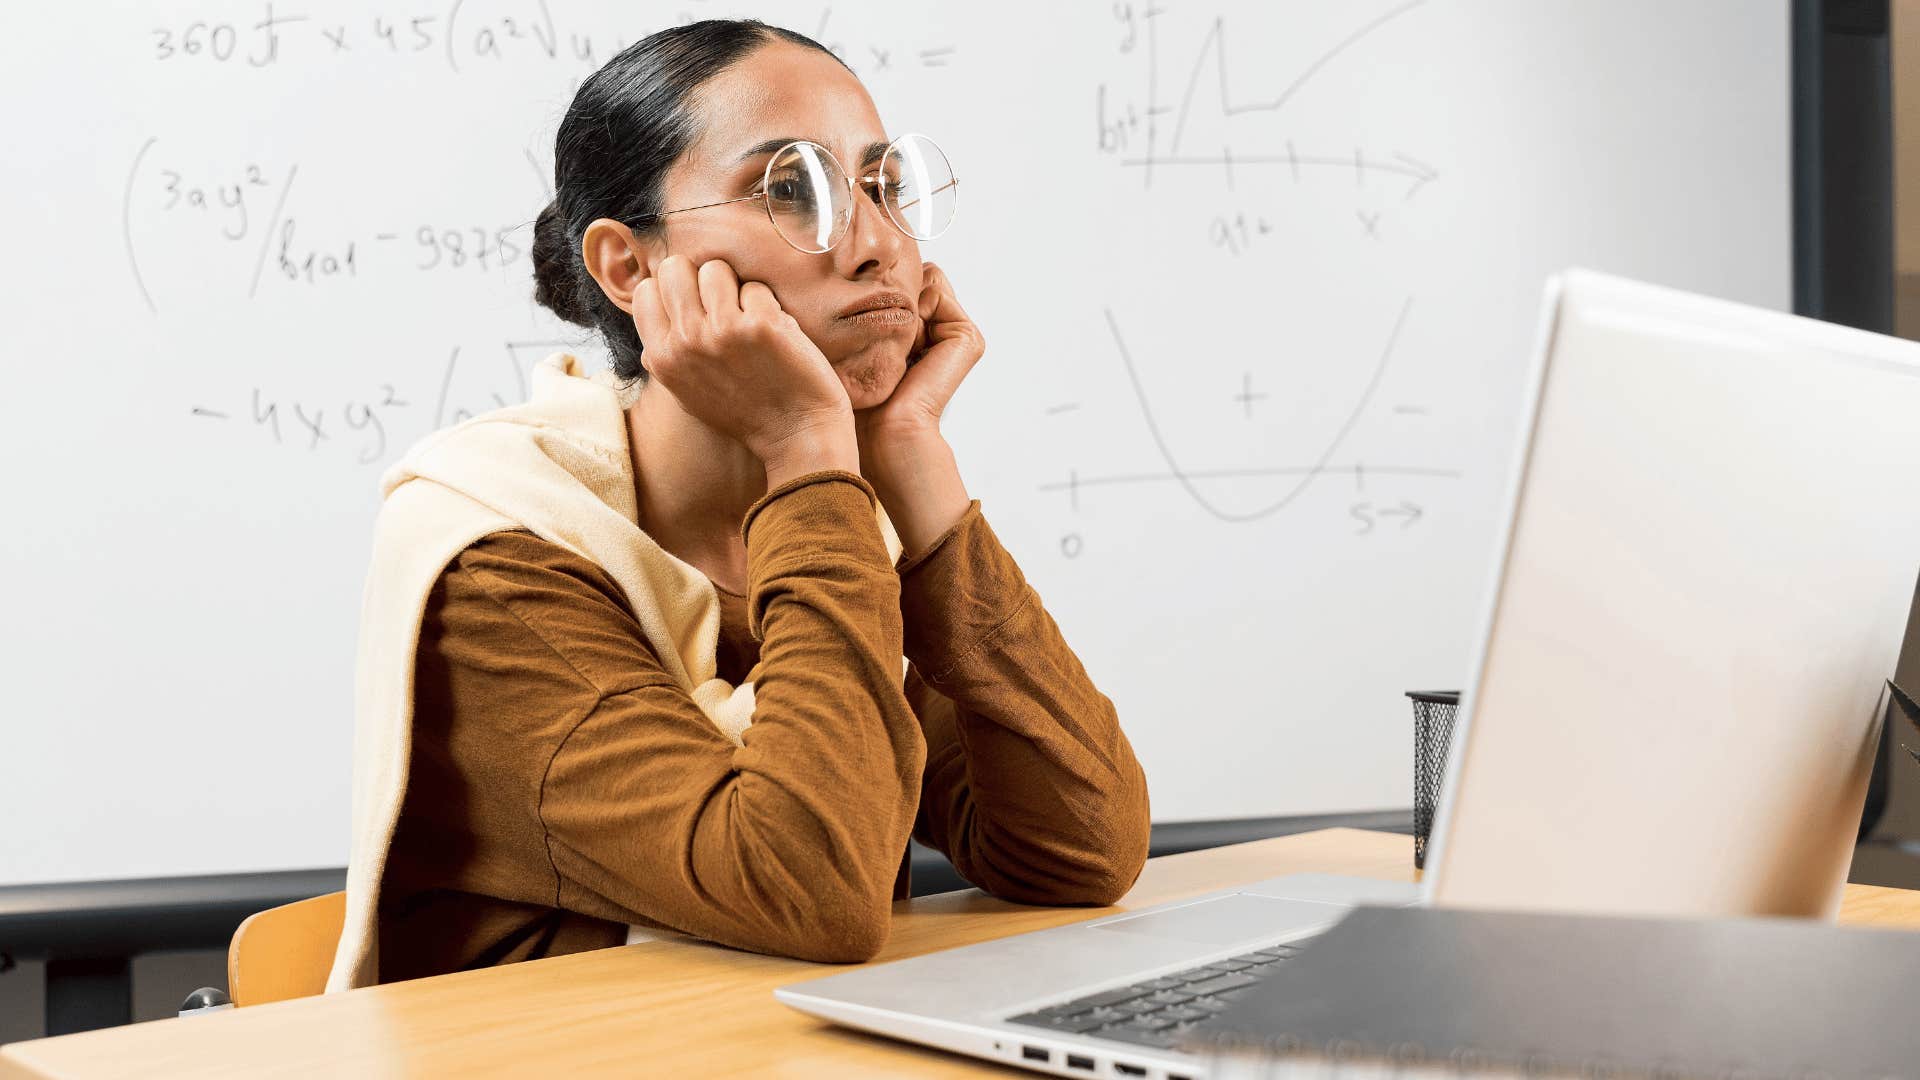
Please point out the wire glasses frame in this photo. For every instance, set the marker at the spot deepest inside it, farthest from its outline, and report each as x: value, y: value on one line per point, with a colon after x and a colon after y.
x: 841, y: 221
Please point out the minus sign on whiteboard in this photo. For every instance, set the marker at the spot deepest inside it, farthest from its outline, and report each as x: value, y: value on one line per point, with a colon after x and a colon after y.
x: 387, y: 236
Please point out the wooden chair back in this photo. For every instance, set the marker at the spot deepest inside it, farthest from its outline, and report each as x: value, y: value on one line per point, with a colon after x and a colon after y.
x: 285, y: 952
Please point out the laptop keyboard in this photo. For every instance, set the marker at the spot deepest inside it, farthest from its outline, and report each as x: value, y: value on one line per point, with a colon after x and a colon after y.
x: 1159, y: 1012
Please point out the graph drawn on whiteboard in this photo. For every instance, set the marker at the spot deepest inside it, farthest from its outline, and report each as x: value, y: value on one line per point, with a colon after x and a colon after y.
x: 1184, y: 85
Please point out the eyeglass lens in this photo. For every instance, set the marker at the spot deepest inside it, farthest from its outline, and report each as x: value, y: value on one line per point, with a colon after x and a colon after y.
x: 920, y: 184
x: 808, y: 199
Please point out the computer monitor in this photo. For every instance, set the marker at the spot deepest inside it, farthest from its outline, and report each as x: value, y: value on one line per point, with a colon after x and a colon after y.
x: 1711, y: 543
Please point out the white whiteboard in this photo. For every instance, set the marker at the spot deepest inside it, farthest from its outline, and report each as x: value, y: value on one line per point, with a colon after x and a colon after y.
x: 1257, y: 282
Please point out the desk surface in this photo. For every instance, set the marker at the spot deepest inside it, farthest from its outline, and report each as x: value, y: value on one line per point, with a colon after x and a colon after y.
x: 678, y: 1008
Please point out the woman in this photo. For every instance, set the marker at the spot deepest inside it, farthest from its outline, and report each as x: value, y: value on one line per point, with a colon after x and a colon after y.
x: 703, y: 728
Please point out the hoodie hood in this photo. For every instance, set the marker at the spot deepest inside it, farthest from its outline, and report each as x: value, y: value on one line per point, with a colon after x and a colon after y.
x: 558, y: 465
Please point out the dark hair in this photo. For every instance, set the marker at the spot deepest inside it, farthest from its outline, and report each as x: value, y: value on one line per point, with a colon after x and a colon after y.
x: 628, y: 123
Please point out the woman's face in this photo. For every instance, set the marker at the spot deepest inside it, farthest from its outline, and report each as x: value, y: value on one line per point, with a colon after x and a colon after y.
x: 783, y: 92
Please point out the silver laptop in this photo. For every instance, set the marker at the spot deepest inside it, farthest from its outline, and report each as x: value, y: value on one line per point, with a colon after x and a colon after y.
x: 1711, y: 543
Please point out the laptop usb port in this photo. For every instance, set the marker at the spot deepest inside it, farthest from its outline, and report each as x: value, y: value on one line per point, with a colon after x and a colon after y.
x: 1125, y: 1069
x: 1036, y: 1053
x: 1079, y: 1061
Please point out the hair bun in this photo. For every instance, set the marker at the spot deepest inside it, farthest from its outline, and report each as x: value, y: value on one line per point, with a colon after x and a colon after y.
x: 556, y: 277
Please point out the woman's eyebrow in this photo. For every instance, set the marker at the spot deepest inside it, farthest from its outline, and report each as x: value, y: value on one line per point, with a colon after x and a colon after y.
x: 874, y: 151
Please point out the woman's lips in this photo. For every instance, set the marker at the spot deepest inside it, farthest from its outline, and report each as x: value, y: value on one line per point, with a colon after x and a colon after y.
x: 882, y: 317
x: 878, y: 298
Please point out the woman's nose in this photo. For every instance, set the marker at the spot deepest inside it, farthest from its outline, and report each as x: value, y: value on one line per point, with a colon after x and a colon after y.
x: 872, y: 241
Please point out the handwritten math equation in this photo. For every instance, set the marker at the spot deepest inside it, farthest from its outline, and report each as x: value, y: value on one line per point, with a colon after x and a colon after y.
x: 463, y: 36
x: 362, y: 428
x: 245, y: 209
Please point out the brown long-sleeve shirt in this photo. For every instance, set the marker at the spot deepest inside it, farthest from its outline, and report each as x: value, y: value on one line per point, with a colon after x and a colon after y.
x: 561, y: 785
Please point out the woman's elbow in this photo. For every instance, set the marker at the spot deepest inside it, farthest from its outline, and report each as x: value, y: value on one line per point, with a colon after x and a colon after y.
x: 1102, y: 865
x: 847, y: 930
x: 1128, y: 843
x: 1114, y: 877
x: 1093, y: 874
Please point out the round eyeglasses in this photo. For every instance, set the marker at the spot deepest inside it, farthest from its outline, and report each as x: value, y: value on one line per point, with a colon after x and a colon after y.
x: 809, y: 197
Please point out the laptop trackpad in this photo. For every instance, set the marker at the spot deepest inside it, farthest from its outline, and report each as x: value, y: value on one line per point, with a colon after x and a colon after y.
x: 1227, y: 919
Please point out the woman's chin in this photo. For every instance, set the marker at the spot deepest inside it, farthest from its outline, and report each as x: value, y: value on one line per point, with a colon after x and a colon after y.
x: 870, y: 379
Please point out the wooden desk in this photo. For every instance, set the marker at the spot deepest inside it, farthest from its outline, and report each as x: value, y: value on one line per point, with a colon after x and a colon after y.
x: 677, y: 1008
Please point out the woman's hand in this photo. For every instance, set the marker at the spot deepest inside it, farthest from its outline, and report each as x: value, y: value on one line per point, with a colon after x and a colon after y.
x: 902, y: 453
x: 944, y: 351
x: 737, y: 362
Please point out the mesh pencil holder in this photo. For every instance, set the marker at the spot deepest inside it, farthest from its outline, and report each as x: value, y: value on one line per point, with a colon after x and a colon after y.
x: 1433, y: 712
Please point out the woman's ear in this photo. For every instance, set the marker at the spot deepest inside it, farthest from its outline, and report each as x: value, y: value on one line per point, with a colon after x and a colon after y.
x: 617, y: 259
